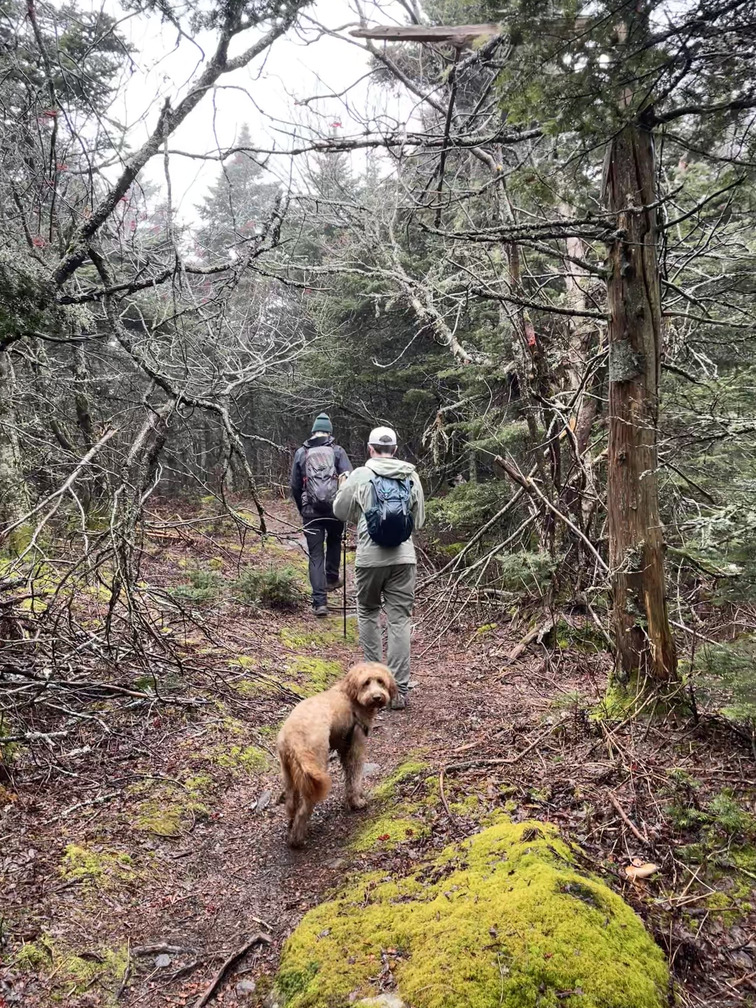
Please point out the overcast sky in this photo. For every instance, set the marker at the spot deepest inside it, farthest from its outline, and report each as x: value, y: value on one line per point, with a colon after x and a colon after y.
x: 264, y: 96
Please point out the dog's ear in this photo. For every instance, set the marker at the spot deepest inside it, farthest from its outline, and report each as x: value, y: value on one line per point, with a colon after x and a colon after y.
x: 351, y: 683
x: 392, y: 687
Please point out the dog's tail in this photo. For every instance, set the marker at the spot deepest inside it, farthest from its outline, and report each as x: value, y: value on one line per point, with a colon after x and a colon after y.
x: 309, y: 779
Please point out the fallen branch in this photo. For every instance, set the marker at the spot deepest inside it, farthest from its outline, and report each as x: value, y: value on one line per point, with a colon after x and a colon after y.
x: 211, y: 988
x: 468, y: 764
x: 539, y: 631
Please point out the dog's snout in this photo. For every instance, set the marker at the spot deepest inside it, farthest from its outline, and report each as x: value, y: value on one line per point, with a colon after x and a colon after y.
x: 379, y: 699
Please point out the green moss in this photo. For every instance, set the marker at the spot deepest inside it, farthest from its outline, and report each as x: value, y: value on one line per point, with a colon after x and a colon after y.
x: 73, y: 974
x: 8, y: 750
x: 386, y: 832
x: 314, y: 674
x: 249, y: 760
x: 171, y: 808
x: 199, y: 784
x: 280, y: 587
x: 233, y: 726
x: 244, y: 661
x: 466, y: 806
x: 451, y: 549
x: 398, y: 819
x: 270, y: 731
x: 409, y: 768
x: 324, y: 634
x: 503, y: 920
x: 255, y: 687
x: 99, y: 867
x: 640, y: 697
x: 586, y: 637
x: 722, y: 835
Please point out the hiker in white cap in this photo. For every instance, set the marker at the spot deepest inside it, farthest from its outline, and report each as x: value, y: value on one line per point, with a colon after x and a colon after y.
x: 385, y: 498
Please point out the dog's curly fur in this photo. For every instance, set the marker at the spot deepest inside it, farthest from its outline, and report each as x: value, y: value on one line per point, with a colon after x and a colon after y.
x: 337, y: 719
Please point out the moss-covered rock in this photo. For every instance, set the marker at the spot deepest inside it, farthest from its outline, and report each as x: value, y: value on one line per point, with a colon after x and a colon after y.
x: 503, y: 920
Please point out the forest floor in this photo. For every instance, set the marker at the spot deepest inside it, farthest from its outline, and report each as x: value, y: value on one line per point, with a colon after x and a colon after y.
x: 133, y: 869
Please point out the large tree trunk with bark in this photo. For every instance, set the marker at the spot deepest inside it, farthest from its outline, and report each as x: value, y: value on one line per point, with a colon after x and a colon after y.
x: 645, y: 649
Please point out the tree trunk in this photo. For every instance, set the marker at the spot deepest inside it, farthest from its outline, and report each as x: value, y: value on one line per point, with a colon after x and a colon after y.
x: 14, y: 493
x: 646, y: 652
x: 584, y: 337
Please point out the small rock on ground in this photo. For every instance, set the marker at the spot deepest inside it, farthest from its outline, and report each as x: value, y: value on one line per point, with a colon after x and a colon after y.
x: 245, y: 987
x: 370, y: 769
x: 263, y: 801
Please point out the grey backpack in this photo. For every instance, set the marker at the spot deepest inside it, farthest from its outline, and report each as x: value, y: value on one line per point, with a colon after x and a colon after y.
x: 320, y: 479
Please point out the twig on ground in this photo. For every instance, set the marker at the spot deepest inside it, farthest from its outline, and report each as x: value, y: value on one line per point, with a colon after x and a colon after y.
x: 442, y: 795
x: 624, y: 817
x: 100, y: 800
x: 211, y: 988
x: 160, y: 948
x: 468, y: 764
x: 126, y: 975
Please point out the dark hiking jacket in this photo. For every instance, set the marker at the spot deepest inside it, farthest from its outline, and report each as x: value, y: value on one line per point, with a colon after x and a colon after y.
x: 297, y: 479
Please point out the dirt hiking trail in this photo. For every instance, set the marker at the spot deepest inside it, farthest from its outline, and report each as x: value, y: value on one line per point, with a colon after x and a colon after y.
x: 133, y: 871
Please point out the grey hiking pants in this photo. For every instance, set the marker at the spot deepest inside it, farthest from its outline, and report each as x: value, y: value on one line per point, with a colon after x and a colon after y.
x: 324, y: 549
x: 394, y: 588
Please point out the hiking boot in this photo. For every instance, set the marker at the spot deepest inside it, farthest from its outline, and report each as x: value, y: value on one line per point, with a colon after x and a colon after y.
x: 321, y: 611
x: 400, y: 701
x: 333, y: 585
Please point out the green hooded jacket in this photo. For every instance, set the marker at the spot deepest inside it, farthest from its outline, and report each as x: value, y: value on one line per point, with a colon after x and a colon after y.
x: 356, y: 496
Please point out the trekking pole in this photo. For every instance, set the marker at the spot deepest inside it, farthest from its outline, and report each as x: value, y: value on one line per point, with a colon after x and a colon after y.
x: 344, y: 577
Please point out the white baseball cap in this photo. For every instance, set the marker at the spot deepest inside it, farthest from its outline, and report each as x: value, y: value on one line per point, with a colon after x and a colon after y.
x: 382, y: 437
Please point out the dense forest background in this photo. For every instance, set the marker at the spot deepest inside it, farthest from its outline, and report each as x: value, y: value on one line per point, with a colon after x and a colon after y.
x: 458, y: 280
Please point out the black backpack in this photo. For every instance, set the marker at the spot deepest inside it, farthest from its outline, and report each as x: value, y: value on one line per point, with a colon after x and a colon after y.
x: 389, y: 520
x: 320, y: 479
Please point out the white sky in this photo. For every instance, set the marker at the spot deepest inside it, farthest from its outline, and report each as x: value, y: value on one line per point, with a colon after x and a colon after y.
x: 264, y: 95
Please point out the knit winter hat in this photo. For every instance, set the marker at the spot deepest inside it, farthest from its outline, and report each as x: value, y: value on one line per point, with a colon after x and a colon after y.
x: 322, y: 424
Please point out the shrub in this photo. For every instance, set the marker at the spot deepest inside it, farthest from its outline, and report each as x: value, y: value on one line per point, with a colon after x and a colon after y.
x: 727, y: 677
x: 526, y: 574
x: 466, y: 507
x: 204, y: 586
x: 277, y: 586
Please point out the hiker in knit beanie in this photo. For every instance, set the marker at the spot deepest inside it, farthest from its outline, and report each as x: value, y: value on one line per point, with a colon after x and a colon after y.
x: 322, y: 424
x: 314, y: 481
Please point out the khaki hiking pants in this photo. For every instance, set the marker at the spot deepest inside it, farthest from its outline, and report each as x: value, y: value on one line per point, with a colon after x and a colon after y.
x: 394, y: 588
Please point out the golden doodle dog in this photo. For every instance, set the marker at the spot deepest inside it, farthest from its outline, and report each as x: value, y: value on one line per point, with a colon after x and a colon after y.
x: 340, y: 719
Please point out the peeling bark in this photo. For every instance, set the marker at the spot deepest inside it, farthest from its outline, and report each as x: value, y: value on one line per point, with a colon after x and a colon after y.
x: 636, y: 549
